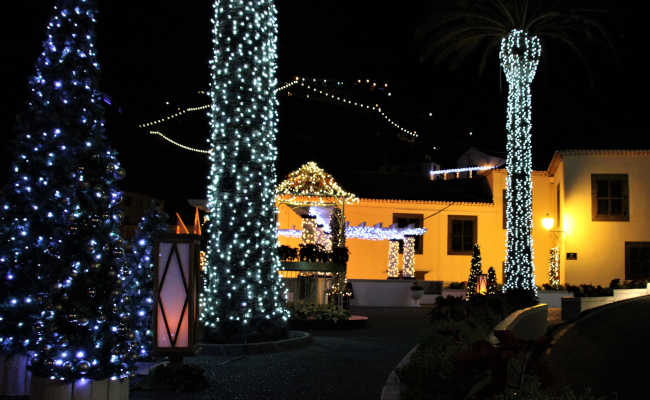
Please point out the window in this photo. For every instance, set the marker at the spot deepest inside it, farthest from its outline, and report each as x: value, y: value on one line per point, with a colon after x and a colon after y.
x: 637, y: 260
x: 461, y: 234
x: 404, y: 220
x: 609, y: 197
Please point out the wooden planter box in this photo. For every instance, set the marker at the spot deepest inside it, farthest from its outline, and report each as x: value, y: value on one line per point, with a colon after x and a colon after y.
x: 15, y: 378
x: 106, y: 389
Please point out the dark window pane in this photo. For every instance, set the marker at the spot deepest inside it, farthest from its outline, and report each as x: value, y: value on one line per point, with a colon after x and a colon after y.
x: 468, y: 227
x: 603, y: 207
x: 457, y: 227
x: 602, y: 188
x: 456, y: 243
x: 467, y: 242
x: 615, y: 188
x: 616, y: 206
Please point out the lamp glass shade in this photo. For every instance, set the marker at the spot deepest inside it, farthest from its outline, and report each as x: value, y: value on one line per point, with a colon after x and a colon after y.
x: 172, y: 313
x: 547, y: 223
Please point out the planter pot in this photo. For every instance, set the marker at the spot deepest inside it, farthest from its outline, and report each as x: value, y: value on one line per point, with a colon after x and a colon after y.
x: 83, y: 389
x: 417, y: 294
x: 15, y: 378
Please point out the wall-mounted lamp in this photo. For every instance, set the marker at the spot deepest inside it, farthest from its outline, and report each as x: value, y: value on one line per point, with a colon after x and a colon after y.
x: 548, y: 222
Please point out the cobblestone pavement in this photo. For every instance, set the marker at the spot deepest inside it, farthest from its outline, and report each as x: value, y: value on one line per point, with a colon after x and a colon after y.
x: 339, y: 364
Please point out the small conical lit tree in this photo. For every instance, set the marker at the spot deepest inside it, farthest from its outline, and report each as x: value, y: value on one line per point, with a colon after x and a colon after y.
x: 243, y: 293
x: 137, y: 277
x: 62, y: 218
x: 474, y: 272
x: 491, y: 281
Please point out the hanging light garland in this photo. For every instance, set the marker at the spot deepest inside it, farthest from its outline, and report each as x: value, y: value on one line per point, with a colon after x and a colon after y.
x: 308, y: 234
x: 519, y: 54
x: 301, y: 81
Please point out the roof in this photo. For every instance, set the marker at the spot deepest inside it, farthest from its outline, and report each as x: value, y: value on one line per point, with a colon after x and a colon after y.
x: 559, y: 154
x: 311, y: 184
x: 372, y: 185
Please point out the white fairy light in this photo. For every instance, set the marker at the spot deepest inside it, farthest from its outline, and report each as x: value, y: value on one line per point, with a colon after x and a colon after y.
x: 519, y: 54
x: 242, y: 285
x: 409, y: 257
x: 393, y: 258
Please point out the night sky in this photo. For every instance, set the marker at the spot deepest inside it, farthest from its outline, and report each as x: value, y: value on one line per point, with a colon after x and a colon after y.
x: 156, y: 52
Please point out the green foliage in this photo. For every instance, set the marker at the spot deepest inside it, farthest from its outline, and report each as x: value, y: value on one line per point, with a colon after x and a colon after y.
x: 453, y: 356
x: 633, y: 284
x: 457, y: 285
x: 548, y: 286
x: 287, y: 253
x: 301, y: 311
x: 589, y: 291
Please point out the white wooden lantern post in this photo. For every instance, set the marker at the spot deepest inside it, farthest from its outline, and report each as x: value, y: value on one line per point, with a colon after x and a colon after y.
x: 176, y: 283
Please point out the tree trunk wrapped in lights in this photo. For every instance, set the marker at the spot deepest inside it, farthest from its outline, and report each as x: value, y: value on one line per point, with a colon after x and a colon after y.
x: 243, y: 291
x: 409, y: 257
x: 554, y: 267
x: 393, y: 259
x: 520, y: 53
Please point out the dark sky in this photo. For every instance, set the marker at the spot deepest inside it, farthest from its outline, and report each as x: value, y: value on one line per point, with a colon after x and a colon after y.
x: 153, y: 52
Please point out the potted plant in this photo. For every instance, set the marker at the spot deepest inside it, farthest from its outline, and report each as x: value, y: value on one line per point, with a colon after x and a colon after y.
x: 417, y: 291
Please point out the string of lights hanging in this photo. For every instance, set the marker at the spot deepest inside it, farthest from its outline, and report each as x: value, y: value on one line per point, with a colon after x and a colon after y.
x: 300, y: 81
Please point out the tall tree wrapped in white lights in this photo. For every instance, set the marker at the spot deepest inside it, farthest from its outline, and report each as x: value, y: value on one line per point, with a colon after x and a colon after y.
x: 519, y: 55
x: 516, y: 28
x: 243, y: 293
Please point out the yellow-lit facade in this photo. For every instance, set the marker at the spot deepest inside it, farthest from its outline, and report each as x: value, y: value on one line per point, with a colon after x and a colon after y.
x: 563, y: 192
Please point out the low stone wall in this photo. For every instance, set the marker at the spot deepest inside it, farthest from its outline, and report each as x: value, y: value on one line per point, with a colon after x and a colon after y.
x: 388, y: 293
x: 573, y: 306
x: 552, y: 297
x: 527, y: 324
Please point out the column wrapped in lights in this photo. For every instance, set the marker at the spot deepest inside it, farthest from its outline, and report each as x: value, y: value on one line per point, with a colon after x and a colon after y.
x: 554, y: 267
x: 243, y: 290
x: 409, y: 257
x: 393, y: 259
x: 519, y: 54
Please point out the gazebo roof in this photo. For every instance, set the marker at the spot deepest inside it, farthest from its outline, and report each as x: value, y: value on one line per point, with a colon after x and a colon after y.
x: 311, y: 185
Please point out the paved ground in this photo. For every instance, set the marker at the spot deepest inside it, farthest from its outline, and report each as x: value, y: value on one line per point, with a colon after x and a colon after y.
x: 607, y: 351
x: 342, y: 364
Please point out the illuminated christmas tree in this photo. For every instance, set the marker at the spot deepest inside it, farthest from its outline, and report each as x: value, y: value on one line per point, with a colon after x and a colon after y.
x: 491, y: 281
x: 474, y: 272
x: 61, y: 248
x: 137, y: 277
x: 243, y: 292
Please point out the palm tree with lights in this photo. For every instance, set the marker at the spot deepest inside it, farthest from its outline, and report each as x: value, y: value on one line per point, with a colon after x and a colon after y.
x: 518, y: 29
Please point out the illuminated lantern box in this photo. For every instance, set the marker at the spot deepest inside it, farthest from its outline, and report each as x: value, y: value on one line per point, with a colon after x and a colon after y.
x: 176, y: 290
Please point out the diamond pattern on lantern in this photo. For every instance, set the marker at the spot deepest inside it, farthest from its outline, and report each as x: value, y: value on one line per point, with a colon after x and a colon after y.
x: 174, y: 295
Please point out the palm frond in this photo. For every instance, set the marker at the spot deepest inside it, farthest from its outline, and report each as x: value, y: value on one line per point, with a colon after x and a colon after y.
x: 504, y: 10
x: 576, y: 50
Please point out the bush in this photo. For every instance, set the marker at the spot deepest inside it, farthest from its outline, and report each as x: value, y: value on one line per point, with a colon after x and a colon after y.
x: 301, y: 311
x: 548, y: 286
x: 589, y: 290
